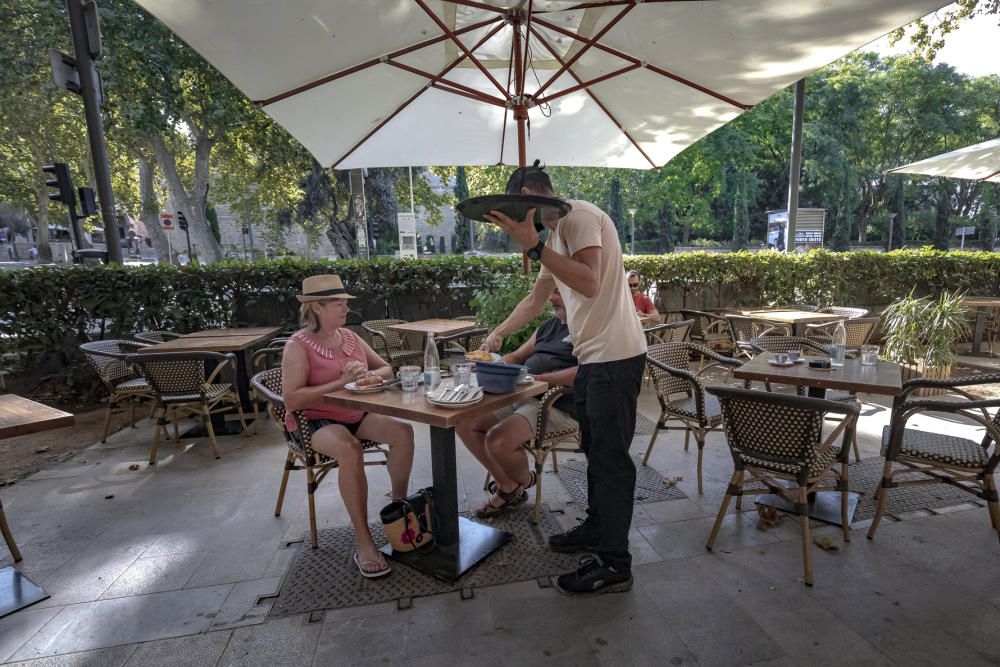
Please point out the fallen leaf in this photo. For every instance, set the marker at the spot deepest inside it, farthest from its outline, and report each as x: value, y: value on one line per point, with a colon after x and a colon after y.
x: 134, y: 466
x: 769, y: 517
x: 109, y: 497
x: 825, y: 543
x: 670, y: 481
x: 41, y: 450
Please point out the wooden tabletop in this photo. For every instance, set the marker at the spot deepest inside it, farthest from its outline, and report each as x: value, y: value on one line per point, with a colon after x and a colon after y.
x: 413, y: 405
x: 438, y: 327
x: 217, y: 333
x: 21, y: 416
x: 792, y: 316
x: 981, y: 302
x: 232, y: 340
x: 882, y: 378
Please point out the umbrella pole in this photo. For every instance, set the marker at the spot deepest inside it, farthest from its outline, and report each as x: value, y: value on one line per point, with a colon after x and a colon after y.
x: 520, y: 110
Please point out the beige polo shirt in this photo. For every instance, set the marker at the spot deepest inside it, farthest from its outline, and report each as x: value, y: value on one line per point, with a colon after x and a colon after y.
x: 605, y: 327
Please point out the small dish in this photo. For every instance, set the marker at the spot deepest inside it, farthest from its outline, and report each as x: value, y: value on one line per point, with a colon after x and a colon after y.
x: 353, y: 388
x: 528, y: 379
x: 781, y: 363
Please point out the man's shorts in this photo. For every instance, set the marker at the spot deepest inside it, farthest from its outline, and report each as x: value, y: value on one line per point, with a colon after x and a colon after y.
x: 558, y: 420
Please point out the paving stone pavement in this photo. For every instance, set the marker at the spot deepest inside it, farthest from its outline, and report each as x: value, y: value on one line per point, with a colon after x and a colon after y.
x: 180, y: 568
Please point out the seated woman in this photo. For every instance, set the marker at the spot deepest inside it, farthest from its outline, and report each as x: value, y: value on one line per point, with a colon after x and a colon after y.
x: 325, y: 356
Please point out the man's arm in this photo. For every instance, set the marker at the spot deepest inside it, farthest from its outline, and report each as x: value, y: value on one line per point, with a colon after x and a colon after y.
x: 522, y: 314
x: 521, y: 354
x: 561, y: 378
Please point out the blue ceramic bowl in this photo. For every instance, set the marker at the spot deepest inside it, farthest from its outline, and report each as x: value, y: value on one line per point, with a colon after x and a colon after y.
x: 497, y: 378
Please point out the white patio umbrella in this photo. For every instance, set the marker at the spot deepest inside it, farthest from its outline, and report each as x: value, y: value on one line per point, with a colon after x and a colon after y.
x: 979, y: 162
x: 616, y: 83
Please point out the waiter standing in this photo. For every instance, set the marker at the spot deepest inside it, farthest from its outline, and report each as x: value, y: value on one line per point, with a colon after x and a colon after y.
x: 583, y: 258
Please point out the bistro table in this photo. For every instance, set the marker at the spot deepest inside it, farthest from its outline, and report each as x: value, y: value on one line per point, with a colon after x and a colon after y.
x: 982, y: 306
x: 438, y: 327
x: 883, y: 378
x: 237, y: 341
x: 22, y: 416
x: 797, y: 318
x: 461, y: 543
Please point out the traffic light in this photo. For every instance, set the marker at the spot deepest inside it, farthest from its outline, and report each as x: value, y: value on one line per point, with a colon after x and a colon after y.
x: 182, y: 222
x: 88, y: 203
x: 62, y: 181
x: 375, y: 228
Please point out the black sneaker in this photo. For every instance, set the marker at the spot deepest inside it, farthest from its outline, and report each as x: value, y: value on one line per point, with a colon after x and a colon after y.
x: 594, y: 577
x: 573, y: 541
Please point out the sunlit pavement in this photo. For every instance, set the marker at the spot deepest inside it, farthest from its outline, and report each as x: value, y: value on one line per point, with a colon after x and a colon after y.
x: 166, y: 565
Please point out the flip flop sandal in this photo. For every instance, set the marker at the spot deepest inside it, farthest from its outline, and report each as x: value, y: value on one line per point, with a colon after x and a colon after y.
x: 510, y: 500
x: 493, y: 488
x: 373, y: 574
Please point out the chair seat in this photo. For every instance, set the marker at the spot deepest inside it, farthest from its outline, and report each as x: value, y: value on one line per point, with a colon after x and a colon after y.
x: 816, y: 468
x: 136, y: 386
x: 840, y: 396
x: 938, y: 447
x: 212, y: 392
x: 397, y: 355
x: 553, y: 438
x: 688, y: 408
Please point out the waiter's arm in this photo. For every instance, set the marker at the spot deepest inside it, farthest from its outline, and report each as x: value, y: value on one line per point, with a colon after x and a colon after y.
x: 581, y: 272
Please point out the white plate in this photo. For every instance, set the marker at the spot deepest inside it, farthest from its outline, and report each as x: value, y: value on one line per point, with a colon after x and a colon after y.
x: 350, y: 386
x: 496, y: 358
x: 452, y: 404
x: 787, y: 363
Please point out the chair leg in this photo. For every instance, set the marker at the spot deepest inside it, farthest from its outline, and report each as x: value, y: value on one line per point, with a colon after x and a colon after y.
x: 803, y: 507
x: 701, y: 448
x: 131, y: 413
x: 256, y: 416
x: 735, y: 482
x: 243, y: 421
x: 990, y: 486
x: 289, y: 462
x: 107, y: 421
x: 687, y: 438
x: 161, y: 422
x: 844, y: 524
x: 8, y: 537
x: 555, y: 463
x: 883, y: 495
x: 854, y: 444
x: 538, y: 491
x: 173, y: 418
x: 652, y: 441
x: 311, y: 488
x: 206, y: 420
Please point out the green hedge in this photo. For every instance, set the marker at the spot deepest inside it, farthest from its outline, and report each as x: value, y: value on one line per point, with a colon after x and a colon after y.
x: 46, y: 312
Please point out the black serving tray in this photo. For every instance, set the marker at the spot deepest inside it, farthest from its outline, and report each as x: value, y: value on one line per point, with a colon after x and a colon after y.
x: 515, y: 207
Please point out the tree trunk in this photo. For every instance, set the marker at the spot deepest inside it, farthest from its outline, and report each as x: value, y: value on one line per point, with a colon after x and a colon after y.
x: 150, y: 213
x: 942, y: 218
x: 44, y: 249
x: 193, y: 205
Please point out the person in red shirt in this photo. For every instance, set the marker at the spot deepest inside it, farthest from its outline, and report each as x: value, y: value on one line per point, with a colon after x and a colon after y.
x: 644, y: 307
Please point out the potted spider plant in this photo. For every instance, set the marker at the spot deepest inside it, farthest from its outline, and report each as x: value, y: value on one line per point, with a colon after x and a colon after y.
x: 921, y: 333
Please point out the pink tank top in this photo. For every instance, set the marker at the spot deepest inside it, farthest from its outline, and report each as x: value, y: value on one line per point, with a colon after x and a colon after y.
x: 326, y: 365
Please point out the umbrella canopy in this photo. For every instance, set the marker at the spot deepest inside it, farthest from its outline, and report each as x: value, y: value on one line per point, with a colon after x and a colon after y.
x: 616, y: 83
x: 979, y: 162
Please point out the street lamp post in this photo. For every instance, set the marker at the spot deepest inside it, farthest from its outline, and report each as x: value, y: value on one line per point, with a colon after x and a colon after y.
x: 632, y: 213
x: 892, y: 218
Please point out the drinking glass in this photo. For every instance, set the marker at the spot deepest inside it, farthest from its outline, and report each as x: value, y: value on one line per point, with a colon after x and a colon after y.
x: 793, y: 355
x: 409, y: 377
x: 462, y: 373
x: 869, y: 355
x: 781, y: 357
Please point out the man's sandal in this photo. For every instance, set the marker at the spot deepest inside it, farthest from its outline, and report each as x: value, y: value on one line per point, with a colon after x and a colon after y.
x: 510, y: 500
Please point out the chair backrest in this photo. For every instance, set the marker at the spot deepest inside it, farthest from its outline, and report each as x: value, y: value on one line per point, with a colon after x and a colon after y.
x: 268, y: 384
x: 778, y: 432
x: 849, y: 313
x: 475, y: 339
x: 859, y: 330
x: 269, y: 357
x: 671, y: 332
x: 786, y: 343
x: 702, y: 322
x: 805, y: 307
x: 389, y: 339
x: 109, y: 359
x: 743, y: 329
x: 675, y: 356
x: 178, y: 372
x: 154, y: 337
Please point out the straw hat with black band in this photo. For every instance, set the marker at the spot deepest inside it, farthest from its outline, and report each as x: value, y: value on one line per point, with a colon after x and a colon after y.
x: 319, y: 288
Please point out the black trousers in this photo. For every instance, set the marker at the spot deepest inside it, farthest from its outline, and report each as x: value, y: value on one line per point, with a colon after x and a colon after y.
x: 606, y: 396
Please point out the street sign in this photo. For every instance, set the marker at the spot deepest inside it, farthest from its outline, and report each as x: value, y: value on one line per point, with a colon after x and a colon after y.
x: 167, y: 222
x: 965, y: 231
x: 64, y: 72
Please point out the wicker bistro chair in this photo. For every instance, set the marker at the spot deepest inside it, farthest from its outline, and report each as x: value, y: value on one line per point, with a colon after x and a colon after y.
x: 709, y: 330
x: 809, y: 348
x: 476, y: 337
x: 125, y: 384
x: 456, y: 346
x: 849, y: 313
x: 264, y: 359
x: 389, y: 344
x: 177, y: 381
x: 552, y: 442
x: 154, y: 337
x: 938, y: 457
x: 745, y: 329
x: 670, y: 332
x: 777, y: 438
x: 301, y: 455
x: 668, y: 365
x: 859, y: 331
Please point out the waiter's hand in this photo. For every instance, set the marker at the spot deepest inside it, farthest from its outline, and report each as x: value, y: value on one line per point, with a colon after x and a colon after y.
x: 523, y: 233
x: 493, y: 343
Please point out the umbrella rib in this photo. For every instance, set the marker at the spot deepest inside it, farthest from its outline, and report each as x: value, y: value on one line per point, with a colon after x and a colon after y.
x: 417, y: 94
x: 586, y: 47
x: 478, y: 5
x: 506, y: 113
x: 611, y: 3
x: 586, y: 84
x: 454, y: 38
x: 435, y: 79
x: 653, y: 68
x: 370, y: 63
x: 597, y: 100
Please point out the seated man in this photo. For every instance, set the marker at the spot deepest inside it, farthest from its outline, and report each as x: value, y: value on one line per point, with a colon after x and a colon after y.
x: 496, y: 439
x: 644, y: 308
